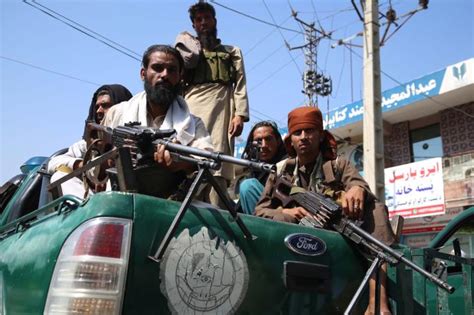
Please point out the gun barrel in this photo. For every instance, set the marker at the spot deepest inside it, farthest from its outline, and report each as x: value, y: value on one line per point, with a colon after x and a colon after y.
x: 317, y: 204
x: 399, y: 257
x: 99, y: 127
x: 216, y: 156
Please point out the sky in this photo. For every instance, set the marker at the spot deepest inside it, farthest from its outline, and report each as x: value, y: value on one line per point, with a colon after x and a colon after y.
x: 49, y: 70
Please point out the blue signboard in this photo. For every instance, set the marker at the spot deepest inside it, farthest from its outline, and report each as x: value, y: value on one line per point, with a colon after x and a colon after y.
x: 397, y: 97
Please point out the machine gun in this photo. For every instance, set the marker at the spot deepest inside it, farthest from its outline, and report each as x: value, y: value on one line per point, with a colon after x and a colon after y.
x: 253, y: 152
x: 326, y: 213
x: 131, y: 135
x: 145, y: 139
x: 131, y: 145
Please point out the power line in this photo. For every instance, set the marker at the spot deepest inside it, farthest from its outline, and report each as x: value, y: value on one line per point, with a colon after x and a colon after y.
x: 258, y: 118
x: 254, y: 18
x: 266, y: 58
x: 340, y: 74
x: 265, y: 37
x: 315, y: 14
x: 265, y: 115
x: 50, y: 71
x: 272, y: 74
x: 86, y: 31
x: 273, y: 19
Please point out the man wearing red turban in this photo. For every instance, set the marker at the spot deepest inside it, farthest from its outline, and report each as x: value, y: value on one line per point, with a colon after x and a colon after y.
x: 314, y: 165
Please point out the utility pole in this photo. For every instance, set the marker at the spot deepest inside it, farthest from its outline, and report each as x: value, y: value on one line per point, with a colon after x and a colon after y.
x: 373, y: 122
x: 314, y: 83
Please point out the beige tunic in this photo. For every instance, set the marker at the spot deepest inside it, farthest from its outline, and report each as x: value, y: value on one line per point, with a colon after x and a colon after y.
x: 216, y: 104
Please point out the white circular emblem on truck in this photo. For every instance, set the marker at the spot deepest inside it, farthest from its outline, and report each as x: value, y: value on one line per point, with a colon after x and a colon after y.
x: 203, y: 275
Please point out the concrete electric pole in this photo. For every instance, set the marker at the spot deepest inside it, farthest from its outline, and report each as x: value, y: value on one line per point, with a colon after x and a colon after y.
x: 373, y: 122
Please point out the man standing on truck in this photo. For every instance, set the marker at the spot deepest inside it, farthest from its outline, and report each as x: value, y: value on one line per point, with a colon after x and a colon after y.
x: 215, y: 85
x: 103, y: 99
x: 160, y: 105
x: 314, y: 165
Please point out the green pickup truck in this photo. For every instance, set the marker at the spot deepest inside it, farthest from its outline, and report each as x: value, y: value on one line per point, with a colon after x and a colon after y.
x: 98, y: 256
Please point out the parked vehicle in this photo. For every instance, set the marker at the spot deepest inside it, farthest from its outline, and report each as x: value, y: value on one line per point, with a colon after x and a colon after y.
x: 98, y: 256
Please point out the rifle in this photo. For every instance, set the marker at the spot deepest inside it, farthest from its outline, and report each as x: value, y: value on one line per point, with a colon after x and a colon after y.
x: 130, y: 135
x: 105, y: 143
x: 326, y: 213
x: 145, y: 140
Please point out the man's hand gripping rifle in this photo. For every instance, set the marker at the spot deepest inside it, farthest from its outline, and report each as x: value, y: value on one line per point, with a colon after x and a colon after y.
x: 205, y: 160
x: 328, y: 214
x: 146, y: 139
x: 104, y: 144
x: 131, y: 135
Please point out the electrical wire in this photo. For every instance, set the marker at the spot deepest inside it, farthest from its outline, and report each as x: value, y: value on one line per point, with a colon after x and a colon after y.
x: 315, y: 15
x: 327, y: 53
x: 88, y: 29
x: 272, y: 74
x: 84, y: 30
x: 265, y: 115
x: 266, y: 58
x: 248, y: 51
x: 259, y: 115
x: 281, y: 34
x: 50, y: 71
x: 340, y: 73
x: 254, y: 18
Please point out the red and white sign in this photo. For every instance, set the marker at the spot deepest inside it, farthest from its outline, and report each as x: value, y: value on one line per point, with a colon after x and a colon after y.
x: 415, y: 189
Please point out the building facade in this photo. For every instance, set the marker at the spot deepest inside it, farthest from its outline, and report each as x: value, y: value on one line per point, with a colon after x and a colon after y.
x: 428, y: 126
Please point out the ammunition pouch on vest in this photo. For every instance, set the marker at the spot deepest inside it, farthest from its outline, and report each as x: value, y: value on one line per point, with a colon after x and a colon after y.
x: 214, y: 67
x: 331, y: 187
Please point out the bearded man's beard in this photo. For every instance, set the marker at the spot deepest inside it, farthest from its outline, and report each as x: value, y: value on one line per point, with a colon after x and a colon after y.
x: 208, y: 38
x: 162, y: 94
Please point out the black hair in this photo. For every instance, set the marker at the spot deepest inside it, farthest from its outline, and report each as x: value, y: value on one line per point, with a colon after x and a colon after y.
x: 117, y: 92
x: 164, y: 49
x: 199, y: 7
x: 102, y: 92
x: 281, y: 151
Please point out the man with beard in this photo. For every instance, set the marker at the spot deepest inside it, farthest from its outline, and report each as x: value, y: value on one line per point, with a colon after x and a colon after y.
x: 215, y: 85
x: 264, y: 144
x: 160, y: 105
x: 104, y: 98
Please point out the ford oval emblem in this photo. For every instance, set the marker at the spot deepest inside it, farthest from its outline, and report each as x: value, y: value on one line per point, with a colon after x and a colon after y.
x: 305, y: 244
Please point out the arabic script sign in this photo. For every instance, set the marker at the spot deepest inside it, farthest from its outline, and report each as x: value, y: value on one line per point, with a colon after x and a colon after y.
x: 392, y: 99
x: 415, y: 189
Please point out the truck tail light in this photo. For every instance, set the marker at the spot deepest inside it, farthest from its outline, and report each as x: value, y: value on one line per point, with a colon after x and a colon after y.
x: 89, y: 276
